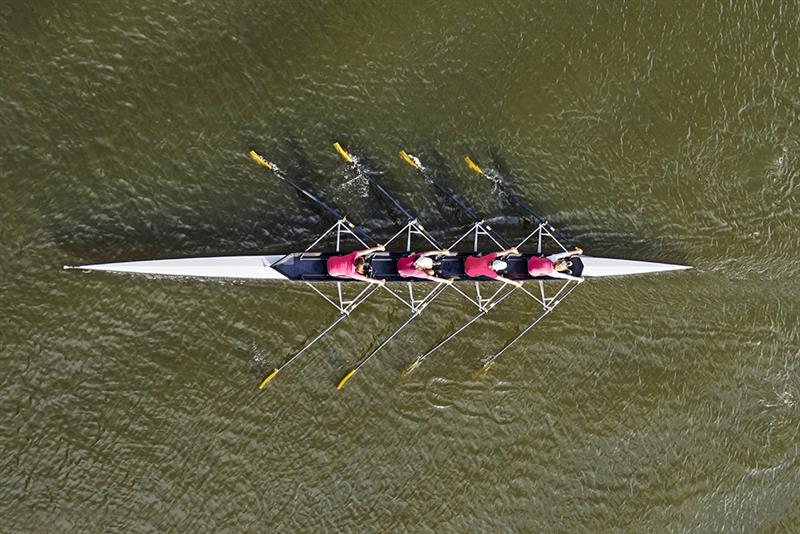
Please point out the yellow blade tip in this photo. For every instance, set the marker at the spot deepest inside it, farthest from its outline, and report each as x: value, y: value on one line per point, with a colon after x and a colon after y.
x: 342, y: 152
x: 472, y: 165
x: 410, y: 369
x: 344, y: 379
x: 477, y: 374
x: 267, y: 378
x: 259, y: 159
x: 407, y: 159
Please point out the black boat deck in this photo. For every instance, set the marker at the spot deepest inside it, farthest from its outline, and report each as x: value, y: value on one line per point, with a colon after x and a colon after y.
x: 312, y: 267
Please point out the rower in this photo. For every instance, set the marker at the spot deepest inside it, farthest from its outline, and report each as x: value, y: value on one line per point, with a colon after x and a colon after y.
x: 490, y: 265
x: 353, y: 265
x: 418, y: 265
x: 555, y: 265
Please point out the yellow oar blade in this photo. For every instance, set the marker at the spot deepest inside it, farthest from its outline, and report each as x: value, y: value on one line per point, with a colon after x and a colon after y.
x: 407, y: 159
x: 477, y: 374
x: 269, y: 377
x: 342, y: 152
x: 472, y: 165
x: 344, y: 379
x: 259, y: 159
x: 410, y: 369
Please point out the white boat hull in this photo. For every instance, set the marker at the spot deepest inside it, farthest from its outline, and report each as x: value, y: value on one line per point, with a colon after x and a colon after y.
x: 259, y: 267
x: 599, y: 267
x: 244, y: 267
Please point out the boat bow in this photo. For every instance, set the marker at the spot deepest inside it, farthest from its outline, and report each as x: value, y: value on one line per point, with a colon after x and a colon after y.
x: 597, y: 267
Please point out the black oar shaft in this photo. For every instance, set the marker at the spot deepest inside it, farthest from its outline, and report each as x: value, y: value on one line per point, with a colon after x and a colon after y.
x: 466, y: 209
x: 474, y: 216
x: 314, y: 198
x: 333, y: 211
x: 352, y: 160
x: 411, y: 219
x: 519, y: 202
x: 477, y: 218
x: 388, y: 196
x: 514, y: 199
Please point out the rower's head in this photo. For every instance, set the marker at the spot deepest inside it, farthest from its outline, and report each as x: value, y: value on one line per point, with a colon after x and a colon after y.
x: 425, y: 264
x: 562, y: 265
x: 360, y: 265
x: 498, y: 266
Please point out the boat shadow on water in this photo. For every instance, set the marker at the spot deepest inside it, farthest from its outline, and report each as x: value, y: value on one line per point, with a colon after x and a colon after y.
x: 107, y: 236
x: 262, y: 223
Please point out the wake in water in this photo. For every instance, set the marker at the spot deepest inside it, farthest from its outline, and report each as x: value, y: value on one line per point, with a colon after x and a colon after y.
x: 356, y: 182
x: 260, y: 356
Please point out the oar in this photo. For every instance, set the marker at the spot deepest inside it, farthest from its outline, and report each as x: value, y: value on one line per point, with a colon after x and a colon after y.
x: 422, y: 357
x: 415, y: 162
x: 511, y: 196
x: 427, y: 300
x: 491, y: 359
x: 258, y: 158
x: 352, y: 160
x: 412, y: 219
x: 288, y: 362
x: 348, y: 310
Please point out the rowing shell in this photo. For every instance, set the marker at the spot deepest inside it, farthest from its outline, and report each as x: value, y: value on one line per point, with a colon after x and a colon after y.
x: 311, y: 267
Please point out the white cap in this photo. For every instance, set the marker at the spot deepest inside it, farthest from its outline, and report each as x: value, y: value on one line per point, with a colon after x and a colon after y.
x: 499, y: 265
x: 424, y: 263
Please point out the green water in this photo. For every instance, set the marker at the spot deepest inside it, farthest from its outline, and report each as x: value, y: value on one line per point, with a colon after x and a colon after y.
x: 662, y: 131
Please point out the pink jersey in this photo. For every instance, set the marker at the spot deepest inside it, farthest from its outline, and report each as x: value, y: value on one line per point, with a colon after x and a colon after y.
x: 406, y: 269
x: 540, y: 266
x: 475, y: 266
x: 343, y: 266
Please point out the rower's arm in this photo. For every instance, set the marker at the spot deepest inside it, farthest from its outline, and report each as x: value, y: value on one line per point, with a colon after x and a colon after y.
x: 565, y: 276
x: 565, y: 254
x: 555, y: 257
x: 363, y: 278
x: 379, y: 248
x: 508, y: 281
x: 435, y: 253
x: 506, y: 252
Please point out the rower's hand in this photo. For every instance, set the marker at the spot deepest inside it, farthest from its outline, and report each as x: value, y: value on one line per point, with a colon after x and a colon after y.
x: 515, y: 251
x: 447, y: 252
x: 580, y: 280
x: 518, y: 284
x: 381, y: 248
x: 578, y: 250
x: 449, y: 281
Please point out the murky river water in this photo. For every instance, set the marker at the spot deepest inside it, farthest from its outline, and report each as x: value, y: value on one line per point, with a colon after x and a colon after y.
x: 664, y: 131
